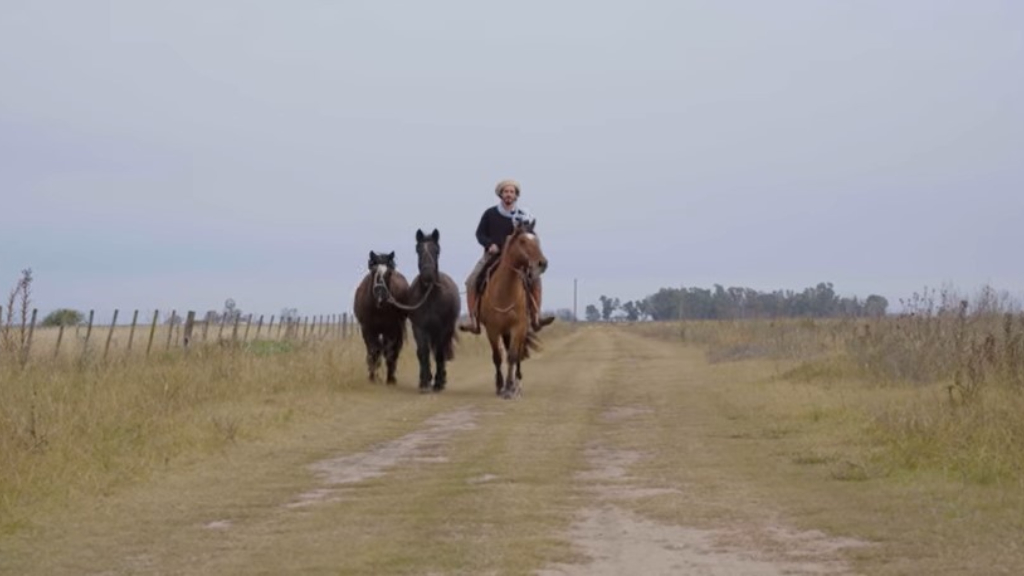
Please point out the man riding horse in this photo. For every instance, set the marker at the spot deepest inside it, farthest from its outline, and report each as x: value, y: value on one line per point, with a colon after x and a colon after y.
x: 496, y: 224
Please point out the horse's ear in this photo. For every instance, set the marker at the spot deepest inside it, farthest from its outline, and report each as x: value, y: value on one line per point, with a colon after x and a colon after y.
x: 372, y: 254
x: 391, y: 256
x: 435, y: 235
x: 419, y: 235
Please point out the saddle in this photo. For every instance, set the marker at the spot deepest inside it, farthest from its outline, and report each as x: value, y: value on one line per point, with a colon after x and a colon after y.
x: 489, y: 268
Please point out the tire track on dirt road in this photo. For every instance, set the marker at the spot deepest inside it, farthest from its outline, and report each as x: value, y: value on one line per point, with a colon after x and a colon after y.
x: 618, y: 540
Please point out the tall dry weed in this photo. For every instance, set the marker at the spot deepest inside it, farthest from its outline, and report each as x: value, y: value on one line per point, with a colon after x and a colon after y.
x: 14, y: 337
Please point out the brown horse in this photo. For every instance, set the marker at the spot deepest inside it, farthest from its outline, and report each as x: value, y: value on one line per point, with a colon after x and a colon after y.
x: 504, y: 306
x: 382, y: 323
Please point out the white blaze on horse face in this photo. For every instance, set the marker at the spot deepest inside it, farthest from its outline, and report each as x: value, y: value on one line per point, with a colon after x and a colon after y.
x: 381, y: 269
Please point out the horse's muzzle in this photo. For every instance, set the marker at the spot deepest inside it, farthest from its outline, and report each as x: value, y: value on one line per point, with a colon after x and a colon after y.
x: 542, y: 266
x: 380, y: 293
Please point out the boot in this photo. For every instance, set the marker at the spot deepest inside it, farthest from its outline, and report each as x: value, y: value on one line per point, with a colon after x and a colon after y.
x: 473, y: 325
x: 536, y: 320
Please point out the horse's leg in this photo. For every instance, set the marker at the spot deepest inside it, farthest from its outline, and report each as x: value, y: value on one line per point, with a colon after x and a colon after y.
x: 506, y: 341
x: 423, y: 355
x: 496, y: 358
x: 392, y: 344
x: 515, y: 373
x: 511, y: 358
x: 397, y: 343
x: 373, y: 351
x: 440, y: 360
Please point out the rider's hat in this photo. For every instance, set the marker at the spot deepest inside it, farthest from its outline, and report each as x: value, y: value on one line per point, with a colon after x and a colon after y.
x: 504, y: 184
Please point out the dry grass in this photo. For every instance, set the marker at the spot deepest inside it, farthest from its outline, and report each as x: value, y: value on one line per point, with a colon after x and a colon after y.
x: 935, y: 390
x: 86, y: 421
x: 71, y: 428
x: 936, y: 486
x: 498, y: 500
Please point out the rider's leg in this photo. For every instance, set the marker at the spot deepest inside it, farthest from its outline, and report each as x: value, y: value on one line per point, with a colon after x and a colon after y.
x: 473, y: 325
x: 536, y: 320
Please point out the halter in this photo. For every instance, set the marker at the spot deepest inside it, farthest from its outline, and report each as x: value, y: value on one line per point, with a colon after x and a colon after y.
x: 430, y: 288
x: 379, y: 283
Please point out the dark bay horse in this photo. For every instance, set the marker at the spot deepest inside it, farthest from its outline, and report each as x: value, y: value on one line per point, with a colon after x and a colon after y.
x: 504, y: 305
x: 381, y: 322
x: 434, y: 308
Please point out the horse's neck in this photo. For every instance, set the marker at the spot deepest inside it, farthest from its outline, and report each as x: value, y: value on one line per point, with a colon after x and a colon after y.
x: 421, y: 286
x: 506, y: 281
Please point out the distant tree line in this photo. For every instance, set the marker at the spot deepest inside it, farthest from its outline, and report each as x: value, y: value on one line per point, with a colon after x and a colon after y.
x: 720, y: 303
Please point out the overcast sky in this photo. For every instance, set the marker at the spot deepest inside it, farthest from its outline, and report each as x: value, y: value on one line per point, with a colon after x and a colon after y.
x: 174, y: 154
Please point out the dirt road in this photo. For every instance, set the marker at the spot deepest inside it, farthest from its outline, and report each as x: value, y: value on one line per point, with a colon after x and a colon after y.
x: 609, y: 464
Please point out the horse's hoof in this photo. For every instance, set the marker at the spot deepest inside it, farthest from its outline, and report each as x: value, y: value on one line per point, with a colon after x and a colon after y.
x: 392, y: 381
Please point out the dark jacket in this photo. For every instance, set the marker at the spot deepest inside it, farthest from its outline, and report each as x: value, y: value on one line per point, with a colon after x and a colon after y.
x: 494, y: 228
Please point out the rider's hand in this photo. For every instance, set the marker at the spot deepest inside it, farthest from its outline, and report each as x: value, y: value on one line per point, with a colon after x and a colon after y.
x: 492, y: 249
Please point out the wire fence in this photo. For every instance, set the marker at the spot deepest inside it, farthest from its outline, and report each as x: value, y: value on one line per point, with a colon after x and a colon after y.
x: 22, y: 341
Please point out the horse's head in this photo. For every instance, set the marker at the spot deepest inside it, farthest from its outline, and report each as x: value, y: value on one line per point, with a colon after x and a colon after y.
x: 381, y: 266
x: 523, y: 251
x: 428, y: 250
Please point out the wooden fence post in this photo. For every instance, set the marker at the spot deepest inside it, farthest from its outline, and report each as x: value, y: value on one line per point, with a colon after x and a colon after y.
x: 248, y: 323
x: 206, y: 324
x: 270, y: 326
x: 259, y: 326
x: 152, y: 331
x: 27, y: 344
x: 170, y: 328
x: 88, y: 333
x: 60, y: 336
x: 190, y: 320
x: 131, y: 333
x: 110, y: 334
x: 344, y: 325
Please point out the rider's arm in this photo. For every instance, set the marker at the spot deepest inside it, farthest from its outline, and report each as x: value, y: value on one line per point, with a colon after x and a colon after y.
x: 483, y: 233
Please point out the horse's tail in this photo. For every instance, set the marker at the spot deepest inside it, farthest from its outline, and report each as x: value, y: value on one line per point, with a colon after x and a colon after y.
x: 532, y: 344
x: 449, y: 347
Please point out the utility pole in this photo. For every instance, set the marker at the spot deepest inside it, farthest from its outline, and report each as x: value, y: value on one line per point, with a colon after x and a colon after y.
x: 575, y: 317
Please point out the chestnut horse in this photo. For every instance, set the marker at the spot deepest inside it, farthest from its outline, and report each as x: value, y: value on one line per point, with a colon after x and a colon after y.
x: 381, y: 322
x: 504, y: 306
